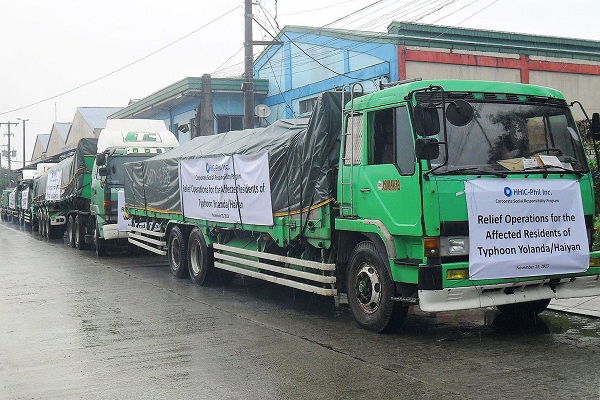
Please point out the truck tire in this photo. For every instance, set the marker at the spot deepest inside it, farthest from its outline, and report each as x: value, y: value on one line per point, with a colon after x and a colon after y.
x: 198, y: 260
x: 99, y: 243
x: 48, y: 229
x: 528, y: 309
x: 78, y: 232
x: 177, y: 252
x: 42, y: 224
x: 71, y: 230
x: 370, y: 290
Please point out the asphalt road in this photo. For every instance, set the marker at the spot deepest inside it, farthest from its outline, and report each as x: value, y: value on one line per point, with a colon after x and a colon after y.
x: 74, y: 326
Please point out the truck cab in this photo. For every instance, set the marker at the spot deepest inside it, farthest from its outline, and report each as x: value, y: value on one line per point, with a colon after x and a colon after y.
x: 471, y: 194
x: 120, y: 142
x: 23, y: 201
x: 4, y: 210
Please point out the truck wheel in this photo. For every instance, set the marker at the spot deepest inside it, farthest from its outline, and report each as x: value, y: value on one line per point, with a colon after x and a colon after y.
x: 370, y: 290
x: 527, y: 309
x: 71, y: 230
x: 48, y: 229
x: 198, y: 260
x: 177, y: 253
x: 78, y: 232
x: 42, y: 224
x: 99, y: 243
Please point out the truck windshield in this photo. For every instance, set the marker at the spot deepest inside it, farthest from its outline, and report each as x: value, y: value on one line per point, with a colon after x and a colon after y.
x: 115, y: 168
x: 513, y: 137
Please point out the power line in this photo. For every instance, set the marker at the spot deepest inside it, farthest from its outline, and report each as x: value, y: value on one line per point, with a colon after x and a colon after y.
x: 123, y: 67
x: 425, y: 9
x: 474, y: 14
x: 455, y: 11
x: 318, y: 9
x: 339, y: 19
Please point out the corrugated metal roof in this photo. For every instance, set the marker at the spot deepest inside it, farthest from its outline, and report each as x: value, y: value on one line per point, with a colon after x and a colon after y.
x: 96, y: 117
x: 413, y: 34
x: 424, y: 35
x: 177, y: 92
x: 44, y: 138
x: 62, y: 128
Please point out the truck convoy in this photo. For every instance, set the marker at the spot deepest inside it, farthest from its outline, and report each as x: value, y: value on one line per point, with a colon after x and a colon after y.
x: 448, y: 194
x: 80, y: 194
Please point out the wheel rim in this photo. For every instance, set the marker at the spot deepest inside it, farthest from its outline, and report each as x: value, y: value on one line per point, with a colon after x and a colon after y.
x: 175, y: 252
x: 368, y: 288
x: 194, y: 257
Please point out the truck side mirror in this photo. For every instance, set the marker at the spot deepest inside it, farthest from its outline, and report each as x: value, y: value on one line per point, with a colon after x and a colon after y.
x: 427, y: 122
x: 459, y: 113
x: 595, y: 128
x: 102, y: 170
x: 100, y: 159
x: 427, y: 149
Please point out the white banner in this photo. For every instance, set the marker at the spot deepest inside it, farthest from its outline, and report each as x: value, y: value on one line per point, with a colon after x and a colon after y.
x: 11, y: 201
x: 53, y: 184
x: 525, y: 227
x: 227, y: 189
x: 122, y: 223
x: 25, y: 199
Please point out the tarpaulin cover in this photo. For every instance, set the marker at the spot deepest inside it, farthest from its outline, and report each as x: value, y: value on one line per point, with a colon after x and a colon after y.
x: 72, y: 170
x: 303, y: 156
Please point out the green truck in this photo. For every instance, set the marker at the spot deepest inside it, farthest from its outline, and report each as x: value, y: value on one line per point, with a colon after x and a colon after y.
x: 62, y: 194
x: 5, y: 211
x: 448, y: 194
x: 79, y: 196
x: 23, y: 193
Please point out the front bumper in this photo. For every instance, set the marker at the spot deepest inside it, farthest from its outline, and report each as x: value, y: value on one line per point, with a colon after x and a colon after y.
x: 467, y: 297
x: 112, y: 232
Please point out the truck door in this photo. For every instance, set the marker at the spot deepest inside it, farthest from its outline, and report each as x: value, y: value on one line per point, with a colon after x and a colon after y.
x: 386, y: 185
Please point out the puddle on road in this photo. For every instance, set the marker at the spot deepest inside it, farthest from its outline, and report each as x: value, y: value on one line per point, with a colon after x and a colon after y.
x: 457, y: 324
x: 570, y: 323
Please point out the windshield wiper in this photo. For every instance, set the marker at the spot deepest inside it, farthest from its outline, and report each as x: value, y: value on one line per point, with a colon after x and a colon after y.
x: 477, y: 170
x: 548, y: 168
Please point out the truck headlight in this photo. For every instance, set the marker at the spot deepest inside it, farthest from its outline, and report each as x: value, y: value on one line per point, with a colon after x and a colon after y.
x: 454, y: 246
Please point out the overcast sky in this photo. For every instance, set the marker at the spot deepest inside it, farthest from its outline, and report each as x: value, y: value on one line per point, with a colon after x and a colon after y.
x: 53, y: 47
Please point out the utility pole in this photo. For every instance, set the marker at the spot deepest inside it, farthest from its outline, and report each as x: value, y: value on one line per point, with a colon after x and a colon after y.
x: 8, y: 152
x: 248, y: 86
x: 24, y: 120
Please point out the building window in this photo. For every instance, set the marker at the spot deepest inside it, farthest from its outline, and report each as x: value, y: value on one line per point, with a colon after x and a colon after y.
x: 226, y: 123
x: 307, y: 106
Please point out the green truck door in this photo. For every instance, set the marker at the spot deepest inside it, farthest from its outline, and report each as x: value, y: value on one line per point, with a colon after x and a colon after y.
x: 386, y: 186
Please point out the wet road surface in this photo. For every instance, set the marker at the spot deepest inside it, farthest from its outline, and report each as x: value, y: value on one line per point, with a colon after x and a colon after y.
x: 74, y: 326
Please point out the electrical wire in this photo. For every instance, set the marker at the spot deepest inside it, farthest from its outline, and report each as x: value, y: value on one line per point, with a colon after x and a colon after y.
x: 426, y: 8
x: 125, y: 66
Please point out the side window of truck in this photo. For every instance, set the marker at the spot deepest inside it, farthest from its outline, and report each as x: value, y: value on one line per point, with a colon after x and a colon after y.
x: 383, y: 137
x: 392, y: 141
x: 405, y: 147
x: 354, y: 137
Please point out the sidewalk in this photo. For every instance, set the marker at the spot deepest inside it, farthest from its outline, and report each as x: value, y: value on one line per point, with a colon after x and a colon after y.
x: 589, y: 306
